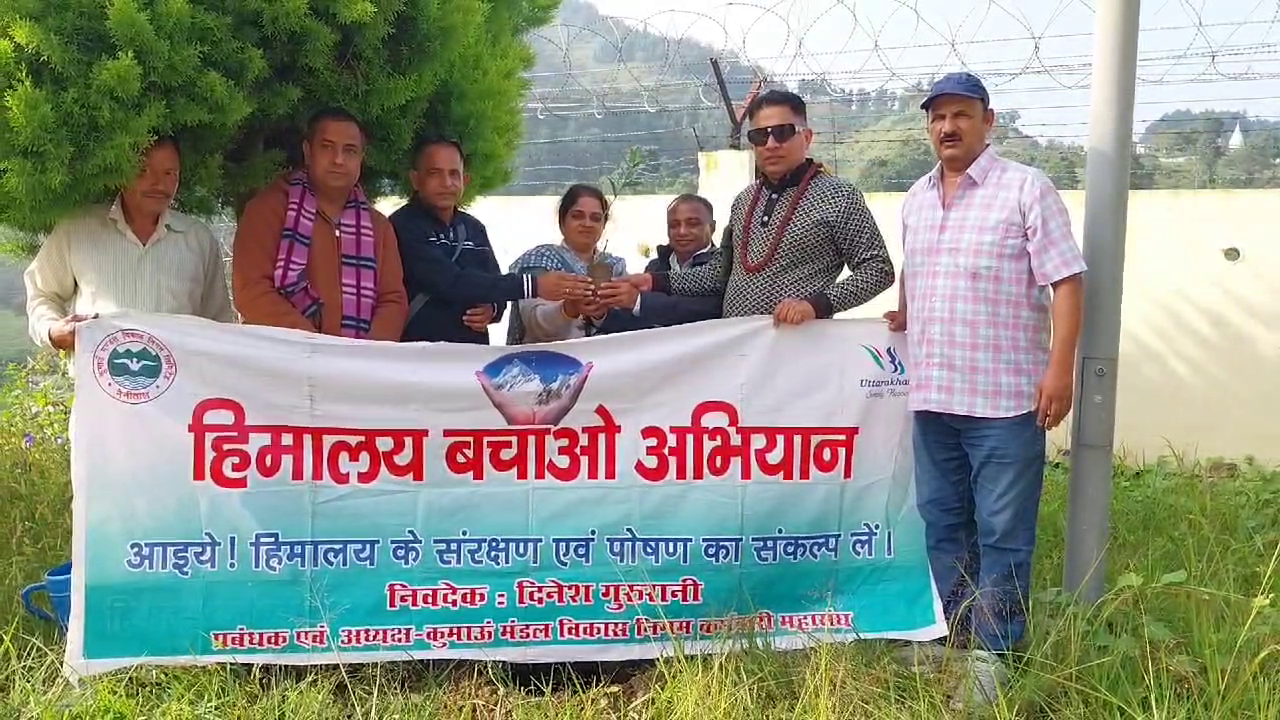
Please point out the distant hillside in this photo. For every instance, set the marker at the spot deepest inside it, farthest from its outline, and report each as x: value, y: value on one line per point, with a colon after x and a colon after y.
x: 589, y: 84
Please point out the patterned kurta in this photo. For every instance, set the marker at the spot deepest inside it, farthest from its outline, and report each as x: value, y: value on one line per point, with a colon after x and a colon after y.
x: 977, y: 276
x: 830, y: 230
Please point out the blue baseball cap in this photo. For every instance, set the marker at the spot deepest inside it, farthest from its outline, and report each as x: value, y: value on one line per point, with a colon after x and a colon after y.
x: 960, y: 83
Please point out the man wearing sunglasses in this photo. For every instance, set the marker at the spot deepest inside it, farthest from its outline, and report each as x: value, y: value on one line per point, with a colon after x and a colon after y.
x: 790, y: 233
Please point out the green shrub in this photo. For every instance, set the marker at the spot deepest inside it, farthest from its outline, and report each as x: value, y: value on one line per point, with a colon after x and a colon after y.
x: 87, y: 84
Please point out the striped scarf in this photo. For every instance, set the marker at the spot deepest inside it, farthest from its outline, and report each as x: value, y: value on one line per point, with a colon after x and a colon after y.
x: 356, y: 244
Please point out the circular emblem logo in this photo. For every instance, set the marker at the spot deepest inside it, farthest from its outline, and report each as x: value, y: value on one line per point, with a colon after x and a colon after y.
x: 133, y: 366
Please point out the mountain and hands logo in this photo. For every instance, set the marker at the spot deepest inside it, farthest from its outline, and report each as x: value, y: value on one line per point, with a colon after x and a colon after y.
x: 534, y: 387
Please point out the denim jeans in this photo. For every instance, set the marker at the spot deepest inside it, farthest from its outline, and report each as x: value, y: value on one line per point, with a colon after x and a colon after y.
x: 978, y: 484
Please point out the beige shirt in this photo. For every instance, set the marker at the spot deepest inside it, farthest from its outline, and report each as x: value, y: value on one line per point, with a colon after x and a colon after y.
x: 93, y: 263
x: 545, y: 321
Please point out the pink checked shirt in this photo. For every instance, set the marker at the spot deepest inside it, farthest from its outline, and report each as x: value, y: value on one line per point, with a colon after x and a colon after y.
x: 976, y: 275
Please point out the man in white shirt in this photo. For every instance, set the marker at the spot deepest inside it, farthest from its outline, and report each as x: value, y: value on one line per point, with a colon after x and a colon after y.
x: 135, y: 254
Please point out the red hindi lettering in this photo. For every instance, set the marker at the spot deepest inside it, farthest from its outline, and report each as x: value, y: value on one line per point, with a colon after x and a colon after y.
x: 412, y: 441
x: 678, y: 628
x: 617, y: 596
x: 364, y: 636
x: 221, y: 450
x: 583, y: 445
x: 803, y: 450
x: 367, y: 451
x: 836, y: 450
x: 510, y: 450
x: 553, y: 592
x: 237, y: 639
x: 230, y: 463
x: 529, y: 593
x: 648, y: 627
x: 643, y: 628
x: 688, y: 591
x: 464, y: 454
x: 316, y: 637
x: 570, y: 629
x: 724, y: 452
x: 538, y: 452
x: 274, y: 639
x: 435, y: 597
x: 441, y: 636
x: 657, y: 449
x: 765, y: 621
x: 792, y: 441
x: 518, y: 632
x: 362, y: 451
x: 270, y: 458
x: 716, y: 461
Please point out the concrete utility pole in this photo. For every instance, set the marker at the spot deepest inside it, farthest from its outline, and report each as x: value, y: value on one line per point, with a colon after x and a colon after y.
x: 1106, y: 209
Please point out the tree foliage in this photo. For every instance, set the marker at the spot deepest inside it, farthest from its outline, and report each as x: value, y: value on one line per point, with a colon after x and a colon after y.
x: 881, y: 143
x: 601, y: 86
x: 1193, y: 149
x: 87, y: 84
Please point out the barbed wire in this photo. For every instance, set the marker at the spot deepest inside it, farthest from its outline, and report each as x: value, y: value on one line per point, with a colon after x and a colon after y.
x: 620, y: 98
x: 1154, y: 69
x: 641, y: 57
x: 656, y: 138
x: 605, y: 84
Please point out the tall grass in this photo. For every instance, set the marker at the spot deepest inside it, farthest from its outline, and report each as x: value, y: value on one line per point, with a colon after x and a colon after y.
x: 1190, y: 629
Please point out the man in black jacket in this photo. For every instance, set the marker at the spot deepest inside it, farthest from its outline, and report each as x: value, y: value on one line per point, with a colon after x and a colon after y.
x: 690, y: 227
x: 455, y: 286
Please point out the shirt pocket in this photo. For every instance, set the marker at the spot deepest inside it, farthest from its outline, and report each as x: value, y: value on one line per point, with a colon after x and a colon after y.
x: 997, y: 247
x: 176, y: 274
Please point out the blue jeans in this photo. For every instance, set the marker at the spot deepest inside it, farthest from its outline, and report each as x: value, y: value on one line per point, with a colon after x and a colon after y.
x: 978, y: 484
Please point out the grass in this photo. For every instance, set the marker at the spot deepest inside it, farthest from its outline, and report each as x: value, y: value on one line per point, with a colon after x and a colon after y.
x: 1191, y: 629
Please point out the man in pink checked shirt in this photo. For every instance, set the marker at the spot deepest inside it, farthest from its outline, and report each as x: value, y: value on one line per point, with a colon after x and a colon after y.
x: 991, y: 301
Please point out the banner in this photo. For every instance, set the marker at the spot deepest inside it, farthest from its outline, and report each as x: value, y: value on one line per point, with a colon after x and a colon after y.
x: 248, y: 494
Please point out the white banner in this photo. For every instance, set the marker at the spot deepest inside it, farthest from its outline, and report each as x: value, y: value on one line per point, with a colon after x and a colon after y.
x: 250, y: 494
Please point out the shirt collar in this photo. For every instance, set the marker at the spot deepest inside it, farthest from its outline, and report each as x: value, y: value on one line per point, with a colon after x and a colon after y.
x: 169, y: 220
x: 788, y: 181
x: 692, y: 257
x: 978, y: 170
x: 667, y: 254
x: 433, y: 216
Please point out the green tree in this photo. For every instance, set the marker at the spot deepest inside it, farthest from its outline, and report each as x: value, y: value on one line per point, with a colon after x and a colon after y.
x: 601, y: 86
x: 889, y: 149
x: 889, y: 155
x: 86, y: 85
x: 1142, y: 171
x: 1191, y: 133
x: 1063, y: 163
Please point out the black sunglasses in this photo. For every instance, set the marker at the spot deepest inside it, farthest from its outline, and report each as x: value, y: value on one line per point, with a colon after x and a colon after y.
x: 782, y: 133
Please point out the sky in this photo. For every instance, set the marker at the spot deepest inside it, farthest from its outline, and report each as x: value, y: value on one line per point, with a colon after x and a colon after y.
x: 1034, y: 55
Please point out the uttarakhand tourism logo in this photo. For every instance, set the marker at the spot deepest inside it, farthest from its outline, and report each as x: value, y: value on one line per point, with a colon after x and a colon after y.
x: 892, y: 379
x: 133, y: 366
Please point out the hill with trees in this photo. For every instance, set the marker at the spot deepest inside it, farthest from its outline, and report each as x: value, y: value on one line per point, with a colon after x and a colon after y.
x: 601, y: 86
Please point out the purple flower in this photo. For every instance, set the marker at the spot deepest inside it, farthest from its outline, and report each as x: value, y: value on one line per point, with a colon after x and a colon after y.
x: 29, y: 441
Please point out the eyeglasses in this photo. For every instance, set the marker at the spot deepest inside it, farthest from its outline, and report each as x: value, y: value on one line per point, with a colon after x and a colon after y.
x: 782, y: 133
